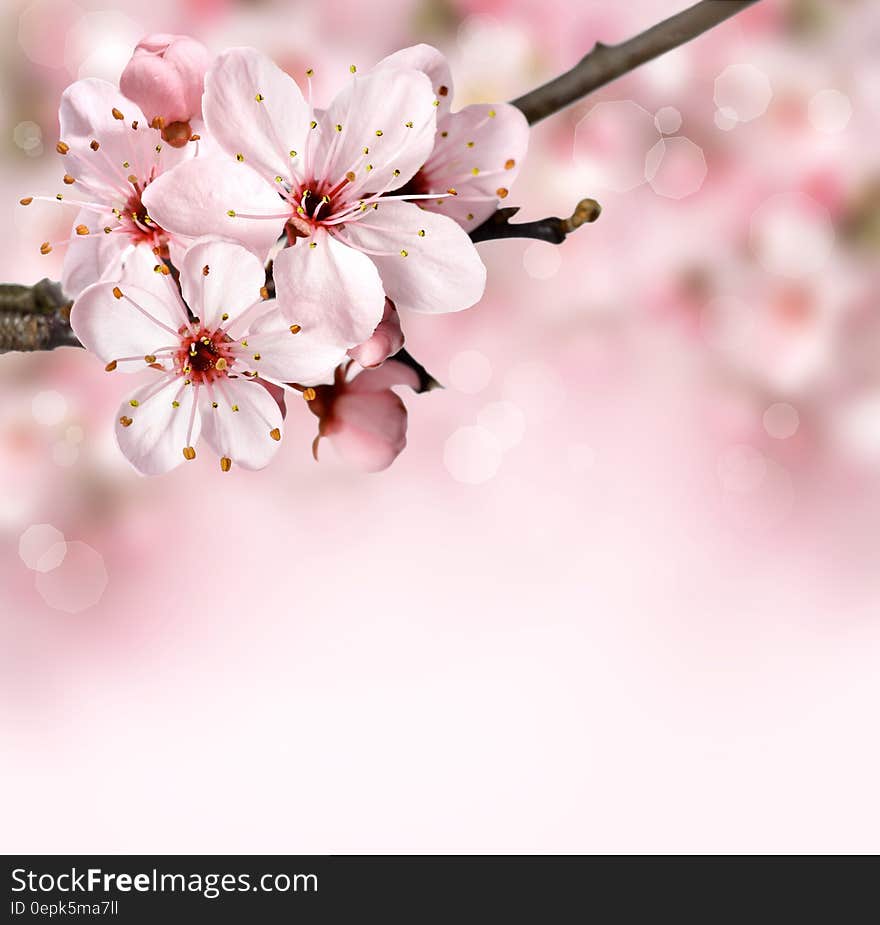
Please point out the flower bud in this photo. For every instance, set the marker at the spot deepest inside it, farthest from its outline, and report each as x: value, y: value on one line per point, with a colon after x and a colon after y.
x: 385, y: 341
x: 166, y: 78
x: 364, y: 420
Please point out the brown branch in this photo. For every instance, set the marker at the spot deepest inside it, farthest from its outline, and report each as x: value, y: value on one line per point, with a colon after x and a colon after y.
x: 608, y: 62
x: 553, y: 230
x: 38, y: 317
x: 34, y: 318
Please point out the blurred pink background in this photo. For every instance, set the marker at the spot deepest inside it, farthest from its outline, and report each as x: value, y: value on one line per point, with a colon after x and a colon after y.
x: 619, y: 594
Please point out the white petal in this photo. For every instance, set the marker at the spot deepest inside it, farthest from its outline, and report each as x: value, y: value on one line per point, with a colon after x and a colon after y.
x: 114, y: 328
x: 91, y: 258
x: 155, y: 439
x: 244, y: 435
x: 430, y: 61
x: 263, y: 131
x: 374, y: 111
x: 220, y: 278
x: 195, y: 198
x: 302, y: 357
x: 333, y: 292
x: 441, y: 272
x: 86, y: 115
x: 494, y: 145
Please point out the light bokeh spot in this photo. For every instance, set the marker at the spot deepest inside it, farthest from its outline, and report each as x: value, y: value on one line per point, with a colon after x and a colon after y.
x: 744, y: 90
x: 100, y: 44
x: 792, y: 235
x: 858, y: 428
x: 542, y: 260
x: 472, y: 455
x: 829, y: 111
x: 49, y: 408
x: 470, y: 371
x: 42, y: 28
x: 29, y: 137
x: 681, y: 168
x: 668, y: 120
x: 741, y: 468
x: 77, y: 583
x: 725, y: 119
x: 42, y: 547
x: 781, y: 421
x: 611, y: 143
x: 505, y: 421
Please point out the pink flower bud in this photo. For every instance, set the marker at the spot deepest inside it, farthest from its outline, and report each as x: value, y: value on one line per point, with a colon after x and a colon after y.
x: 166, y: 78
x: 385, y: 341
x: 363, y: 418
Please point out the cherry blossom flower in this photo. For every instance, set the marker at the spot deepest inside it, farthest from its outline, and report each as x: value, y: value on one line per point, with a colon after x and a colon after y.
x: 209, y: 345
x: 166, y: 78
x: 361, y: 415
x: 478, y: 151
x: 325, y: 179
x: 110, y: 155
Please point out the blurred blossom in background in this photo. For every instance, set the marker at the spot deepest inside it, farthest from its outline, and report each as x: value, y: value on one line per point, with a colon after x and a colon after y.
x: 620, y: 591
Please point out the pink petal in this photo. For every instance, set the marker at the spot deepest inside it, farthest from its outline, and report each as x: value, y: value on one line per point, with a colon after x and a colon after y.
x: 333, y: 292
x: 243, y: 435
x: 441, y: 271
x: 383, y: 377
x: 374, y: 111
x: 368, y: 430
x: 231, y: 284
x: 302, y: 357
x: 113, y: 328
x: 264, y: 131
x: 498, y: 151
x: 384, y: 342
x: 194, y: 198
x: 86, y: 115
x: 154, y: 440
x: 430, y: 61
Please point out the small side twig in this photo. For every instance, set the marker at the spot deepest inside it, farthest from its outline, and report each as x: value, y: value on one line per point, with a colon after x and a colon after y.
x: 426, y: 380
x: 607, y: 62
x: 34, y: 317
x: 554, y: 230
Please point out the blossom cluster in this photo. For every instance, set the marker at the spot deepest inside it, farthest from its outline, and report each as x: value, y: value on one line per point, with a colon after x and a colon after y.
x: 243, y: 244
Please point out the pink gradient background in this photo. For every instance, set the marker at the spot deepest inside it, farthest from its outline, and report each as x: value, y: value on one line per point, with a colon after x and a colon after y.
x: 650, y: 626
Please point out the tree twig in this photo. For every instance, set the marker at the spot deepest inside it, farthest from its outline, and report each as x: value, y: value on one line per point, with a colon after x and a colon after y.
x: 553, y: 230
x: 608, y: 62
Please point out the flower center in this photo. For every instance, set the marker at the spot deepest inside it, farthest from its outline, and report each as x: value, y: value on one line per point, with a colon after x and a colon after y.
x: 138, y: 224
x: 205, y: 356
